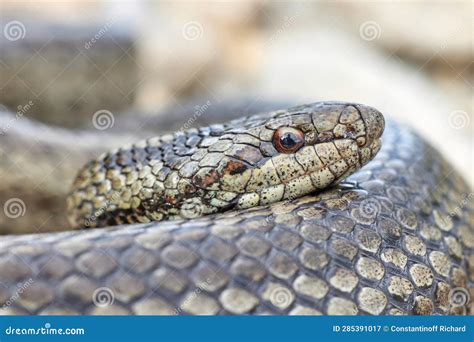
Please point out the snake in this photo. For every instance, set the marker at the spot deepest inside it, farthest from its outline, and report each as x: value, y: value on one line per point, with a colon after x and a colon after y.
x: 326, y: 208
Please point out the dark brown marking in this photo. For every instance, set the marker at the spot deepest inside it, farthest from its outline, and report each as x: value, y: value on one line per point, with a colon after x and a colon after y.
x: 234, y: 167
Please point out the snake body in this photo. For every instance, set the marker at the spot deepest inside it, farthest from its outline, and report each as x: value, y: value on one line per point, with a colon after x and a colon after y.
x: 248, y: 229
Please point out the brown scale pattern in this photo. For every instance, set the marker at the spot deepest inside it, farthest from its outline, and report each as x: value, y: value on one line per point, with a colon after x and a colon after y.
x: 394, y: 238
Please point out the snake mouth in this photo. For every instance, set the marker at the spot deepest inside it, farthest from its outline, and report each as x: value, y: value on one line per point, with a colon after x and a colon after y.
x: 366, y: 154
x: 310, y: 181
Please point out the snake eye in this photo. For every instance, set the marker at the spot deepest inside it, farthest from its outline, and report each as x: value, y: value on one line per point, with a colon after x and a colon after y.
x: 287, y: 139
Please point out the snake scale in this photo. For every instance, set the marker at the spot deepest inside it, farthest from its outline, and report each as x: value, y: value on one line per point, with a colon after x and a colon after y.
x: 272, y: 213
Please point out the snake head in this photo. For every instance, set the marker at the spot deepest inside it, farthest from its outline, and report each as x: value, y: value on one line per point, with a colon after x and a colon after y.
x: 290, y: 153
x: 255, y: 160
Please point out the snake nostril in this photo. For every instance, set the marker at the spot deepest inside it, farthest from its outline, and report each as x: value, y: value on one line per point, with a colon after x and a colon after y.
x: 360, y: 141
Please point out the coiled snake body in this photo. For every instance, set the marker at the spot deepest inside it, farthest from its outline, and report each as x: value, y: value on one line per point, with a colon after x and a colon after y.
x: 238, y: 219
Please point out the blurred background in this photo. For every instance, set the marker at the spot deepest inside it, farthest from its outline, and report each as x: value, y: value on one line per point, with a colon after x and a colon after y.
x: 62, y: 61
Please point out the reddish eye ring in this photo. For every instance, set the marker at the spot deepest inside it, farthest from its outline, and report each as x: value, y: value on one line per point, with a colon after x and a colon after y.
x: 288, y: 139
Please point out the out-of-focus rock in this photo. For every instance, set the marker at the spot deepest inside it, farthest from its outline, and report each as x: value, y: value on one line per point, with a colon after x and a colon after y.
x: 422, y: 30
x: 68, y: 72
x: 191, y: 49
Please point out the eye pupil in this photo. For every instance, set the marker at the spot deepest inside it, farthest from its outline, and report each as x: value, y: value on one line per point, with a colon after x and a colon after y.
x: 288, y: 140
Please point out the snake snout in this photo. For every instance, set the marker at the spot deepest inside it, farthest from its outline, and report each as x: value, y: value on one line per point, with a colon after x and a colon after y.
x: 374, y: 121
